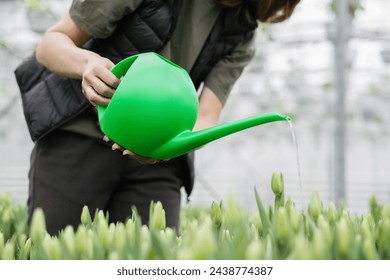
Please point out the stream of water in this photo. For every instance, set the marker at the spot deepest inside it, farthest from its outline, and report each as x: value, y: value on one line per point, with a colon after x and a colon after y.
x: 294, y: 138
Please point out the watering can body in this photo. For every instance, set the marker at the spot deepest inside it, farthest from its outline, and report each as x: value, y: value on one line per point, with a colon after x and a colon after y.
x: 154, y: 109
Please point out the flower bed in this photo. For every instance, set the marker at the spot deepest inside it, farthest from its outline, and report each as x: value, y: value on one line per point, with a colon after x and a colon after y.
x: 279, y: 231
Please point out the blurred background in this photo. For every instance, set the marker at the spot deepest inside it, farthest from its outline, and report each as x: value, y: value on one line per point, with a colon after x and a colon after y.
x: 328, y: 67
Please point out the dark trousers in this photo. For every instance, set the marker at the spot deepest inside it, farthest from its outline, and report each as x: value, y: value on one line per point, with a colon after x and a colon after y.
x: 69, y: 171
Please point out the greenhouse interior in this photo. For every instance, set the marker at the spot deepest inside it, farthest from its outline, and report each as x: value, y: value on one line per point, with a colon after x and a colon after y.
x: 328, y: 71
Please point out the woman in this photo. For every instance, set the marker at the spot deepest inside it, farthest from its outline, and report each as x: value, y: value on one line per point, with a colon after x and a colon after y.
x: 71, y: 164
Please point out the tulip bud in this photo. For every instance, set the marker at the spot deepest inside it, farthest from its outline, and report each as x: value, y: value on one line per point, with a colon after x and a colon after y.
x: 168, y: 239
x: 373, y: 203
x: 370, y: 220
x: 289, y: 205
x: 38, y: 226
x: 255, y: 250
x: 385, y: 211
x: 295, y: 218
x: 120, y: 238
x: 145, y: 241
x: 199, y: 241
x: 216, y: 213
x: 130, y: 227
x: 343, y: 238
x: 374, y: 208
x: 369, y: 250
x: 5, y: 217
x: 345, y: 215
x: 366, y: 228
x: 277, y: 183
x: 383, y: 233
x: 307, y: 225
x: 8, y: 252
x: 68, y: 239
x: 253, y: 232
x: 332, y: 214
x: 157, y: 214
x: 86, y: 219
x: 26, y: 250
x: 315, y: 206
x: 256, y: 226
x: 206, y: 243
x: 320, y: 247
x: 281, y: 226
x: 81, y: 240
x: 52, y: 248
x: 103, y: 234
x: 301, y: 250
x: 21, y: 240
x: 100, y: 217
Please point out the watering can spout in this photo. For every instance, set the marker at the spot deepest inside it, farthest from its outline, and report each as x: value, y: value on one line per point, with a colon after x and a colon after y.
x: 189, y: 140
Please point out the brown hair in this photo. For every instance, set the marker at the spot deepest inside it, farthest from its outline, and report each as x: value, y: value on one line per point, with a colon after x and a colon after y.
x: 269, y: 11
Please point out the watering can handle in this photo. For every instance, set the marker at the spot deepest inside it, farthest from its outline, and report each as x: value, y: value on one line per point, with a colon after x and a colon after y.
x: 121, y: 68
x: 118, y: 70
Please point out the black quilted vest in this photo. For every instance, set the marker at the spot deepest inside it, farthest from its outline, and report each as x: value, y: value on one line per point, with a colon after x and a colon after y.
x: 50, y: 100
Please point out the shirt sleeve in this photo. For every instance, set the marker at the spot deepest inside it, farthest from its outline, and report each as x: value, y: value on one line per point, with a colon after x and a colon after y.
x: 100, y: 17
x: 227, y: 71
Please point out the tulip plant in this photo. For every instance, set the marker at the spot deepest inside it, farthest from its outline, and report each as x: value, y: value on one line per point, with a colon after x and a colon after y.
x: 223, y: 231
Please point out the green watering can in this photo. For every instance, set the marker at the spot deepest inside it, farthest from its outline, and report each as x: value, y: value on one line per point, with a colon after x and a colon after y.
x: 155, y: 108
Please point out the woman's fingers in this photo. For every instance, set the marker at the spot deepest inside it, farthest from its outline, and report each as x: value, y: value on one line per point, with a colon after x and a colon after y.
x: 93, y: 97
x: 98, y: 82
x: 102, y: 88
x: 140, y: 159
x: 125, y: 152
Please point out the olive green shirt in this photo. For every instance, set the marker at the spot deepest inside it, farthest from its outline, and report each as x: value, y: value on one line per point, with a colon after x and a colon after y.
x: 99, y: 19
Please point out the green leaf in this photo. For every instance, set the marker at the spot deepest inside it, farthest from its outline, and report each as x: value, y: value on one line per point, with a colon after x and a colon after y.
x: 263, y: 215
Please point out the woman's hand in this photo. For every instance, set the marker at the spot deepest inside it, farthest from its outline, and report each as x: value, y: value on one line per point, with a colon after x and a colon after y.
x: 125, y: 152
x: 98, y: 83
